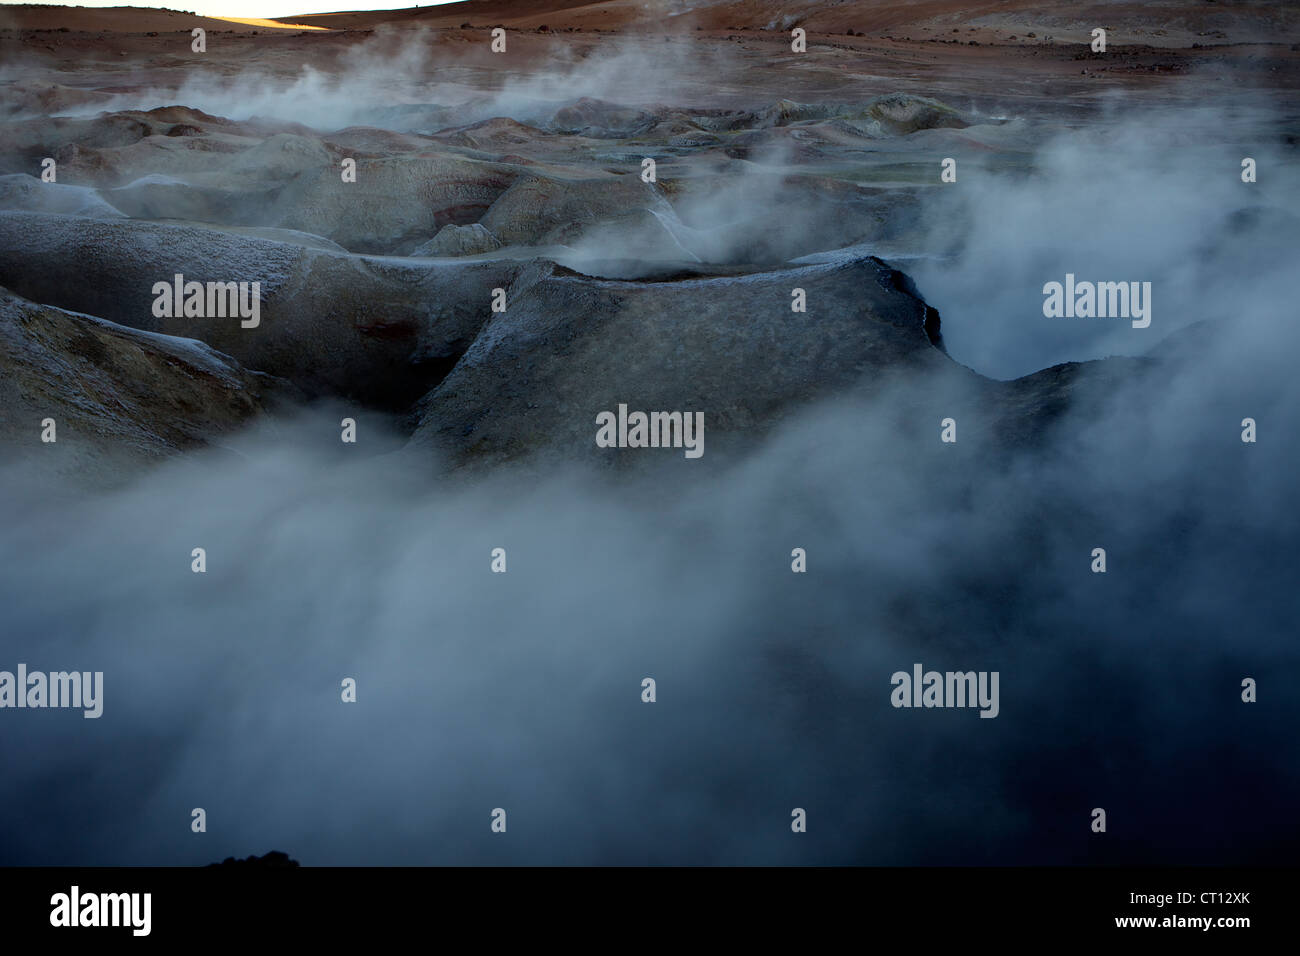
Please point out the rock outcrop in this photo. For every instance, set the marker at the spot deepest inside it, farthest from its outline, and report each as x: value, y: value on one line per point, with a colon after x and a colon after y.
x: 274, y: 859
x: 22, y: 192
x: 453, y: 240
x: 378, y: 330
x: 394, y: 204
x: 116, y: 395
x: 418, y: 337
x: 571, y: 347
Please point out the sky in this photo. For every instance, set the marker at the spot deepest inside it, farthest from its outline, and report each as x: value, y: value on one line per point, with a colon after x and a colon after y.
x: 256, y: 8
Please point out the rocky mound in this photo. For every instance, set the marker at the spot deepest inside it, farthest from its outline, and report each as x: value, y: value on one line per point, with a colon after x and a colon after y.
x: 901, y: 114
x: 394, y: 202
x: 116, y: 395
x: 273, y: 859
x: 45, y: 99
x: 454, y: 240
x: 723, y: 193
x: 601, y: 120
x: 571, y: 346
x: 378, y: 330
x: 536, y: 207
x: 20, y: 191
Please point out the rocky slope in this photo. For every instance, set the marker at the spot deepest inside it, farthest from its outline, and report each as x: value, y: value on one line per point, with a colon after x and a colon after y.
x: 419, y: 337
x: 570, y: 347
x: 117, y: 396
x: 375, y: 329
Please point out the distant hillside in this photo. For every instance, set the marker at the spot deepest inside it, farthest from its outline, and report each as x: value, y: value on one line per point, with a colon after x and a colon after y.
x: 1154, y: 22
x: 1129, y: 22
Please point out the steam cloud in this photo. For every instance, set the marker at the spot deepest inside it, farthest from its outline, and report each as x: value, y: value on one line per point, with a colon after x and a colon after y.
x: 522, y: 690
x: 389, y: 77
x: 1145, y: 194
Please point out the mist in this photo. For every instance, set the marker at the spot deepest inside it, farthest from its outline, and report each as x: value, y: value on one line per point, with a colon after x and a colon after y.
x: 420, y: 80
x: 522, y: 690
x: 1145, y: 194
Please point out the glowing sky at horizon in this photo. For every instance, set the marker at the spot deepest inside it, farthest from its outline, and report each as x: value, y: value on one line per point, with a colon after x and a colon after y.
x: 285, y: 9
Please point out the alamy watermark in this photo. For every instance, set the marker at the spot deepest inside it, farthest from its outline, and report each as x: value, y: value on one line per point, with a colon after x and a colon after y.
x: 949, y: 689
x: 653, y: 430
x: 1100, y: 300
x: 75, y: 908
x: 213, y: 300
x: 81, y: 689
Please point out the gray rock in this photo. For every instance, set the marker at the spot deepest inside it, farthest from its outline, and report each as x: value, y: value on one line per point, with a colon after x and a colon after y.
x: 20, y: 191
x: 903, y: 113
x: 157, y: 196
x: 453, y: 240
x: 601, y: 120
x: 118, y: 396
x: 393, y: 201
x: 535, y: 207
x: 570, y: 347
x: 375, y: 329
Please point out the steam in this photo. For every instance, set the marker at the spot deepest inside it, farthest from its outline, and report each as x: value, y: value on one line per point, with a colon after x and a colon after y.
x: 521, y: 690
x: 416, y: 79
x: 1150, y: 195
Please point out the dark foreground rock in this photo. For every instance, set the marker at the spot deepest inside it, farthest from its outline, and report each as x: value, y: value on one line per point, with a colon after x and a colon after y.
x: 274, y: 859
